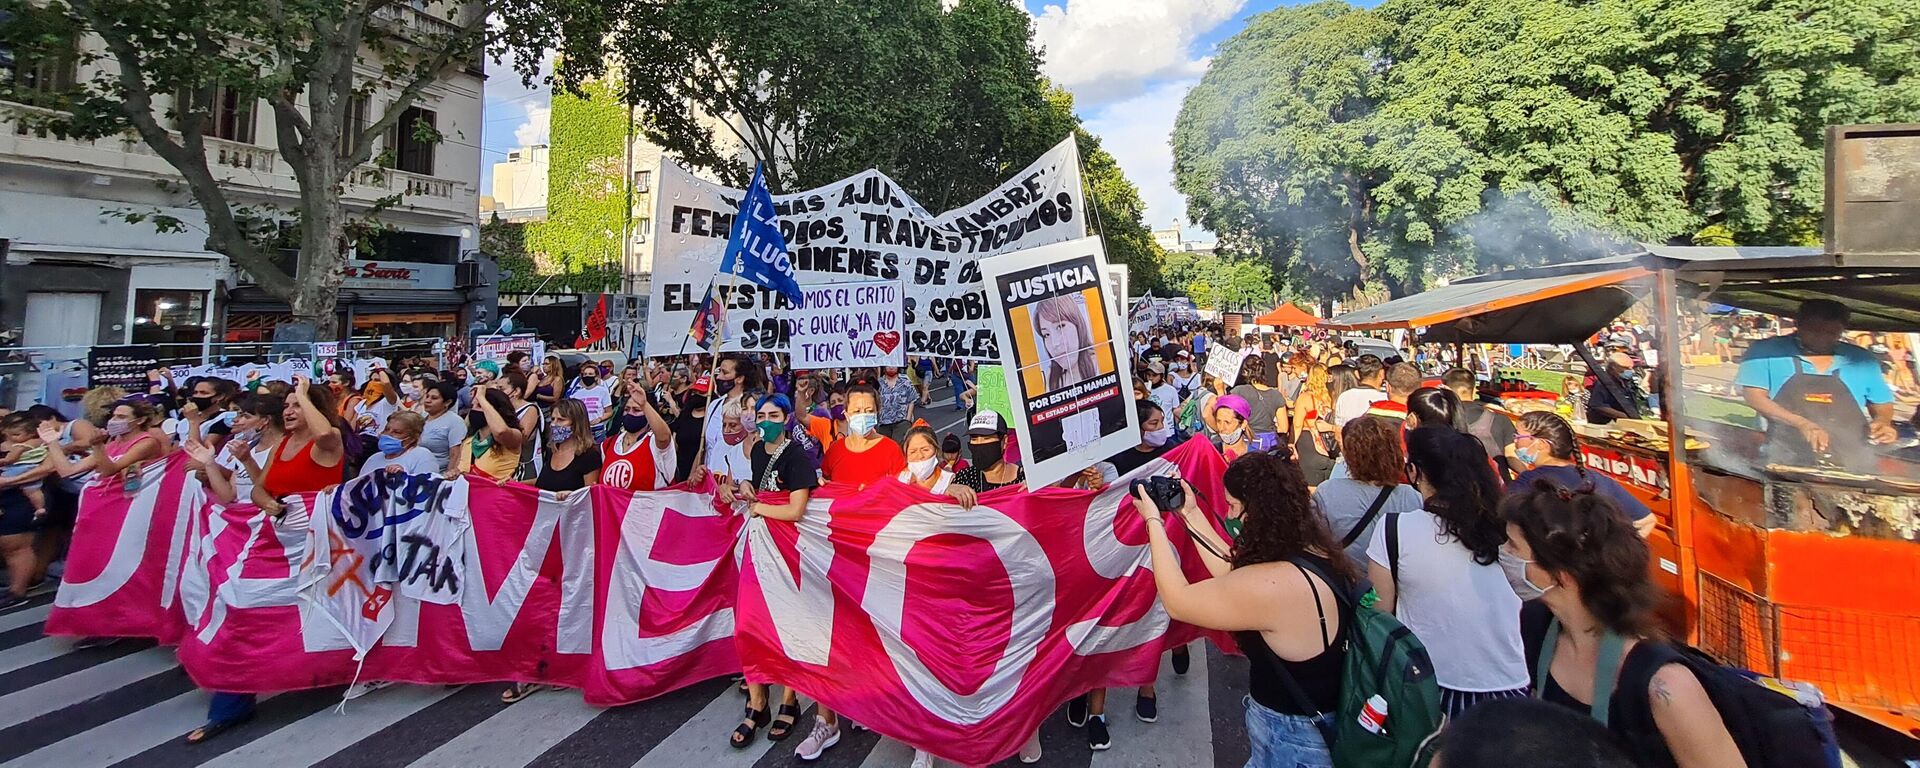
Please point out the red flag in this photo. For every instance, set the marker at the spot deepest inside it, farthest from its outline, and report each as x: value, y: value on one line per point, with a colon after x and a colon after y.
x: 596, y: 324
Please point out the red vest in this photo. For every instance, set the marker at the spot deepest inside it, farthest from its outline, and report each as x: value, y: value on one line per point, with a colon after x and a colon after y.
x: 633, y: 470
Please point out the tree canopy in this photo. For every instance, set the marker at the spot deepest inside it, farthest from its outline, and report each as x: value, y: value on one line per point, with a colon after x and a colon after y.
x: 1362, y: 150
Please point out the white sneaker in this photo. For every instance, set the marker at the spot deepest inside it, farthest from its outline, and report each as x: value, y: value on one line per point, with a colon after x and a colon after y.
x: 365, y: 687
x: 1030, y: 751
x: 922, y: 759
x: 820, y: 739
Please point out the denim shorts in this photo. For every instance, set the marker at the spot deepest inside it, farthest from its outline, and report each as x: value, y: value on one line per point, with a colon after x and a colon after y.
x: 1285, y: 741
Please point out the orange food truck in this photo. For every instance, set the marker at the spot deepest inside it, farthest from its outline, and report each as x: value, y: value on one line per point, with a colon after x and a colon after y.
x: 1808, y: 573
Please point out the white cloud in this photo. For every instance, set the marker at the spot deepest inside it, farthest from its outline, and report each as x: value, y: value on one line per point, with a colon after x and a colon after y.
x: 536, y: 128
x: 1138, y: 133
x: 1105, y: 50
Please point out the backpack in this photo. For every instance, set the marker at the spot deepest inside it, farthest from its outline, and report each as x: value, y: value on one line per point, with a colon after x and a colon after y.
x: 1383, y: 660
x: 1775, y: 723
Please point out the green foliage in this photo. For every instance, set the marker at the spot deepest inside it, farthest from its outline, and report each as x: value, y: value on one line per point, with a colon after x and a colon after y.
x: 1360, y: 148
x: 1217, y: 281
x: 587, y: 192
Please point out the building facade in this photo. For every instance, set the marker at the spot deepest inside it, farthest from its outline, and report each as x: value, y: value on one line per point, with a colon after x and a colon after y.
x: 76, y: 275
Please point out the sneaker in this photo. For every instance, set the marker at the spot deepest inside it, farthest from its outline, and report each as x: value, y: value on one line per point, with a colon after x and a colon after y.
x: 820, y: 739
x: 365, y: 687
x: 9, y: 600
x: 922, y: 759
x: 1030, y: 751
x: 1147, y: 708
x: 1181, y: 660
x: 1097, y: 737
x: 1077, y: 711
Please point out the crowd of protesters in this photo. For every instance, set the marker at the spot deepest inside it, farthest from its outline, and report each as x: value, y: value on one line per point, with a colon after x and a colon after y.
x: 1331, y: 456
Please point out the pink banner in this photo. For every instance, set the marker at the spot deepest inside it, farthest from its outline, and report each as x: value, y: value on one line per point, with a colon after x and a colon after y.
x: 953, y: 630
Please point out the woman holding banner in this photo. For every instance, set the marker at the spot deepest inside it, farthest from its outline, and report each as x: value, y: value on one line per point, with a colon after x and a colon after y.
x: 779, y: 465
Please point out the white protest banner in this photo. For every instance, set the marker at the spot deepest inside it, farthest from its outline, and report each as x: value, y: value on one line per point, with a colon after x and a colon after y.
x: 1224, y: 363
x: 849, y: 325
x: 496, y: 348
x: 863, y: 228
x: 1070, y: 386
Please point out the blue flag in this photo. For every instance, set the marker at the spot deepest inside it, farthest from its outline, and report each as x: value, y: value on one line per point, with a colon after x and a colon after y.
x: 756, y: 251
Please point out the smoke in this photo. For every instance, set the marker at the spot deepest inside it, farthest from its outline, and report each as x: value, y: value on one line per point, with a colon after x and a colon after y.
x: 1515, y: 230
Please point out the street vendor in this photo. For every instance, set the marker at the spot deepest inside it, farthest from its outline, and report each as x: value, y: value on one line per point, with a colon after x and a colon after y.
x: 1823, y: 398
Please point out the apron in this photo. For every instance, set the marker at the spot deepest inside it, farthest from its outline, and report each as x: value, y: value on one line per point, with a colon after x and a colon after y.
x: 1825, y: 400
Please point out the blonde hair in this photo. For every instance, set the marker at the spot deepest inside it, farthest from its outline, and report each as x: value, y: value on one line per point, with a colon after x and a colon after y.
x: 409, y: 421
x: 99, y: 401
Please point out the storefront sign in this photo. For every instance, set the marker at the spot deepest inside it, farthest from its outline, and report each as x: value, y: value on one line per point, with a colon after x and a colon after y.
x: 1632, y: 469
x: 395, y: 274
x: 122, y: 366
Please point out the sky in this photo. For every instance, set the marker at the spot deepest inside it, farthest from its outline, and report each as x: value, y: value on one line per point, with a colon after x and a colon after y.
x: 1128, y: 64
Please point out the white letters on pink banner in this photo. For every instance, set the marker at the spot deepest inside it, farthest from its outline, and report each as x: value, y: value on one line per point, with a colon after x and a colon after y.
x: 954, y: 630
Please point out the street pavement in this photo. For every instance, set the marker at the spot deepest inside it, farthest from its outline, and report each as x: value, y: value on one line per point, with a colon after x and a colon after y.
x: 129, y: 704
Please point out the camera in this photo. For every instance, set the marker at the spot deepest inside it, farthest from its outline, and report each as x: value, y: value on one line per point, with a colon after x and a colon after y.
x: 1165, y: 492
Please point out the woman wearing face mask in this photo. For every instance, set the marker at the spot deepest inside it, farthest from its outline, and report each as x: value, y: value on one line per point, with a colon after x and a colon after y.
x: 1436, y: 569
x: 492, y: 447
x: 573, y: 461
x: 1156, y: 438
x: 206, y: 412
x: 256, y: 429
x: 778, y: 465
x: 130, y: 444
x: 398, y: 448
x: 1281, y: 596
x: 1591, y: 614
x: 864, y: 455
x: 1544, y: 445
x: 640, y: 456
x: 986, y: 442
x: 1232, y: 435
x: 735, y: 383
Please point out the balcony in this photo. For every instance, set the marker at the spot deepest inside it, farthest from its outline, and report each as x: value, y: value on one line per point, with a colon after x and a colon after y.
x: 247, y: 166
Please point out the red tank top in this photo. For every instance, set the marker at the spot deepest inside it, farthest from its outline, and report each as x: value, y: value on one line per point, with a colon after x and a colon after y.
x: 299, y: 474
x: 632, y: 469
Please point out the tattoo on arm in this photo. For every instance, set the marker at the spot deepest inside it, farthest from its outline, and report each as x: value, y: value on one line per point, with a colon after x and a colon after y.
x: 1660, y: 694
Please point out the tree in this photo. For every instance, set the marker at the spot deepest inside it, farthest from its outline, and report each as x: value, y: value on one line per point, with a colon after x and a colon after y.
x: 589, y: 197
x: 337, y: 76
x: 1464, y: 135
x: 1219, y: 281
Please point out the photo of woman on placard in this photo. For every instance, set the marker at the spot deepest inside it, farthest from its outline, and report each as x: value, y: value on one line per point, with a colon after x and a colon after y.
x: 1066, y: 340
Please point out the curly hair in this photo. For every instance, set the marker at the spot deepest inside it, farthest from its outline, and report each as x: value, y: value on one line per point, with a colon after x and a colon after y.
x: 1372, y: 448
x: 1278, y: 518
x: 1583, y: 536
x: 1466, y: 493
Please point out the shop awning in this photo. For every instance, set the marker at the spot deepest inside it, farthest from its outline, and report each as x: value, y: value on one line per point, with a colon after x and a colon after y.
x: 1534, y: 309
x: 1288, y: 316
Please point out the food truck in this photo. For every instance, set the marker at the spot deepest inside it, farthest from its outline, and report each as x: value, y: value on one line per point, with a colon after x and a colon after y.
x: 1807, y: 571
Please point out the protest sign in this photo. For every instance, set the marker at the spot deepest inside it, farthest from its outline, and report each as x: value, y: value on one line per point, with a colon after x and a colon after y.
x: 1072, y: 390
x: 848, y: 325
x: 122, y: 366
x: 863, y: 228
x: 991, y: 394
x: 496, y: 348
x: 955, y: 632
x: 1224, y: 363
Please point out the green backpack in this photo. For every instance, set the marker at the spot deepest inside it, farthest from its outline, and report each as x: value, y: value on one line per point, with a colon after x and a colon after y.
x: 1386, y: 661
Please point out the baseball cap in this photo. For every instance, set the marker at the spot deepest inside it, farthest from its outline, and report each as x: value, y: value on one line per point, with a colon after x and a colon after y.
x: 987, y: 423
x: 1185, y: 355
x: 1156, y: 367
x: 703, y: 384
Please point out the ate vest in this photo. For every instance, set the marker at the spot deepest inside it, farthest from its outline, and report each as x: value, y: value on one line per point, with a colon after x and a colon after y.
x: 632, y: 469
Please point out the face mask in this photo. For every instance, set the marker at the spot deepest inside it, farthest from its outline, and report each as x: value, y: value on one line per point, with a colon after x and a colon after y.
x: 1526, y: 455
x: 633, y: 422
x: 203, y: 403
x: 560, y: 434
x: 986, y: 454
x: 722, y: 387
x: 245, y: 435
x: 391, y: 445
x: 119, y: 428
x: 1234, y: 437
x: 1515, y: 569
x: 1157, y: 437
x: 771, y: 431
x: 862, y: 424
x: 477, y: 420
x: 923, y: 468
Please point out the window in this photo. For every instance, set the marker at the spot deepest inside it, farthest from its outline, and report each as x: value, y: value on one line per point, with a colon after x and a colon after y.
x: 169, y: 316
x: 411, y: 154
x: 231, y: 117
x: 643, y: 181
x: 356, y: 125
x: 40, y: 69
x: 641, y: 227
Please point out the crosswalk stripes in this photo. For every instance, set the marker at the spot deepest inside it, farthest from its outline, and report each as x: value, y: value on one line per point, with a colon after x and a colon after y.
x: 129, y: 704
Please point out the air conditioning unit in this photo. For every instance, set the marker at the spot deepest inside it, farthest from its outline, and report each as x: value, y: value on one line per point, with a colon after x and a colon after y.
x: 466, y: 274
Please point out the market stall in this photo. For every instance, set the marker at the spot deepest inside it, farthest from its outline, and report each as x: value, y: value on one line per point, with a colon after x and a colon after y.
x: 1804, y: 572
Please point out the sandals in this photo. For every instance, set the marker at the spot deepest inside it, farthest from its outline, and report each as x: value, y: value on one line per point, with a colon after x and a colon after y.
x: 781, y: 729
x: 522, y: 690
x: 206, y: 732
x: 743, y: 733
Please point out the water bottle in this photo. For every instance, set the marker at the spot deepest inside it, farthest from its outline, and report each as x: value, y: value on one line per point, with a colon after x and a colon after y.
x: 1373, y: 716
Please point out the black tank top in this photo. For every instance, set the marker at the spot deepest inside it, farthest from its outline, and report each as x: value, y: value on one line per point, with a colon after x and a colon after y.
x: 1319, y: 677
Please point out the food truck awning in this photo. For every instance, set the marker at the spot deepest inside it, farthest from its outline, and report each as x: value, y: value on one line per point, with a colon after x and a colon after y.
x: 1550, y: 305
x: 1288, y: 316
x: 1884, y: 295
